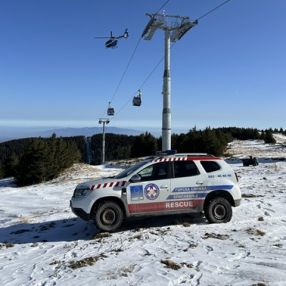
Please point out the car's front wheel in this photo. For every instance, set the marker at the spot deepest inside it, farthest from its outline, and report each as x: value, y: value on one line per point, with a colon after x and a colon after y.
x: 218, y: 210
x: 108, y: 216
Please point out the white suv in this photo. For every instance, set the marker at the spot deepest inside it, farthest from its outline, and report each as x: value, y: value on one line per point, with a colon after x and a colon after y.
x: 171, y: 184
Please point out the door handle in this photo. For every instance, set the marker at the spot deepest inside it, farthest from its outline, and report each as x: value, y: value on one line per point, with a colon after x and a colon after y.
x: 199, y: 182
x: 164, y: 187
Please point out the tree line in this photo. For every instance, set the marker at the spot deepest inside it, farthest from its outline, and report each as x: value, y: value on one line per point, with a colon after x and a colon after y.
x: 34, y: 160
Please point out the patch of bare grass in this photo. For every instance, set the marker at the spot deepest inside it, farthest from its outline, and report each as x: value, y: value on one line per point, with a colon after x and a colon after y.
x: 171, y: 264
x: 6, y: 245
x: 215, y: 236
x: 175, y: 266
x: 89, y: 261
x: 255, y: 231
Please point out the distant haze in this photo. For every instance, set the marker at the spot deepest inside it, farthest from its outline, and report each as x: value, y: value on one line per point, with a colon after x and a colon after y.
x: 10, y: 133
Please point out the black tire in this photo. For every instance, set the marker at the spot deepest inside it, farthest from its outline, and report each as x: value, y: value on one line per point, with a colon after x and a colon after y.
x: 218, y: 210
x: 108, y: 216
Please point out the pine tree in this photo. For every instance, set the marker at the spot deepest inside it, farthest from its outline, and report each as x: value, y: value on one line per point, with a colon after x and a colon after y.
x: 2, y: 172
x: 32, y: 167
x: 268, y: 138
x: 144, y: 145
x: 11, y: 165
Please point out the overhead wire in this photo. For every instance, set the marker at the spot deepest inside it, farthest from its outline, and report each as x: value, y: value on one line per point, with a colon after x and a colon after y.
x: 213, y: 9
x: 142, y: 84
x: 131, y: 58
x: 157, y: 65
x: 129, y: 63
x: 160, y: 61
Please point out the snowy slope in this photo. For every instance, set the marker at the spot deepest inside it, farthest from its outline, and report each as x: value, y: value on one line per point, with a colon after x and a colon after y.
x: 43, y: 243
x: 257, y: 148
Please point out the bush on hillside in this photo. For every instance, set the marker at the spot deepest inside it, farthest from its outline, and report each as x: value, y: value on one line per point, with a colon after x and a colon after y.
x: 268, y: 137
x: 44, y: 161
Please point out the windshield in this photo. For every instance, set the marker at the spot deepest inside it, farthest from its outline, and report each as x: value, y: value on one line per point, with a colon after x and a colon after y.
x: 131, y: 169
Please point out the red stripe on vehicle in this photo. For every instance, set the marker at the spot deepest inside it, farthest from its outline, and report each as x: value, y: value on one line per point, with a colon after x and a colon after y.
x: 104, y: 185
x: 149, y: 207
x: 162, y: 206
x: 92, y: 187
x: 98, y: 186
x: 111, y: 184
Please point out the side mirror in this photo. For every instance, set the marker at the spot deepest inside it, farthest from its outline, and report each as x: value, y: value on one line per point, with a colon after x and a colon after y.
x: 135, y: 178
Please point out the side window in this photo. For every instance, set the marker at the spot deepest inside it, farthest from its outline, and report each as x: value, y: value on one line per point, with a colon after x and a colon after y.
x: 210, y: 166
x: 157, y: 171
x: 185, y: 169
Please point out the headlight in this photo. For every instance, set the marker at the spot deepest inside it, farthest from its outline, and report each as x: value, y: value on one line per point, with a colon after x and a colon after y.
x: 81, y: 192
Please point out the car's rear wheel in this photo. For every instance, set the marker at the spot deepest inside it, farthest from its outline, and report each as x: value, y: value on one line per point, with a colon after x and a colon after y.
x: 218, y: 210
x: 108, y: 216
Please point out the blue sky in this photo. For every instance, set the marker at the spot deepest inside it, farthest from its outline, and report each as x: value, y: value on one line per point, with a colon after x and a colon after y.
x: 227, y: 71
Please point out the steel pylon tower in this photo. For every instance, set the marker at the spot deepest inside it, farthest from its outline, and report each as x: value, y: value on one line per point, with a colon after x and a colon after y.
x: 175, y: 27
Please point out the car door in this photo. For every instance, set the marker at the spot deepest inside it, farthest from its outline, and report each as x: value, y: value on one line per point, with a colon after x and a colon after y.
x: 187, y: 186
x: 148, y: 195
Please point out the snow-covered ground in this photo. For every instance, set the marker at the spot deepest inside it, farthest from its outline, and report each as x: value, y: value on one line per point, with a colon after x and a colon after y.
x: 257, y: 148
x: 43, y: 243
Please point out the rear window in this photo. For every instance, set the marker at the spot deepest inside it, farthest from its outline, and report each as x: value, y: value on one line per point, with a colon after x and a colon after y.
x: 210, y: 166
x: 185, y: 169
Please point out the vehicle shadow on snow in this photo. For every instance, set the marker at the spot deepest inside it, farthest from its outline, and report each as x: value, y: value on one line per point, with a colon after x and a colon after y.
x: 75, y: 229
x: 184, y: 220
x: 50, y: 231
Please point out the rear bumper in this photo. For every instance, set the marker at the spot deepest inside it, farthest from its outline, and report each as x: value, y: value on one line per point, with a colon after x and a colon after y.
x: 80, y: 213
x: 237, y: 203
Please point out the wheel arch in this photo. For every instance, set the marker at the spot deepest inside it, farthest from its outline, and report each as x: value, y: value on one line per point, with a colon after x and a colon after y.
x: 219, y: 193
x: 108, y: 199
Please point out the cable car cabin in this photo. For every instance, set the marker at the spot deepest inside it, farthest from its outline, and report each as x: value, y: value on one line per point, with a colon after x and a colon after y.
x: 137, y: 99
x: 110, y: 111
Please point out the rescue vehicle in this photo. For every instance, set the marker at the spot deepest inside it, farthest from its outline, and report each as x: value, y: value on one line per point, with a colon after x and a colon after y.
x: 165, y: 184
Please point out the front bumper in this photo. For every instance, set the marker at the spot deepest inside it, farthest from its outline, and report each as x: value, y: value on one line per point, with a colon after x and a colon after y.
x: 237, y: 202
x: 80, y: 213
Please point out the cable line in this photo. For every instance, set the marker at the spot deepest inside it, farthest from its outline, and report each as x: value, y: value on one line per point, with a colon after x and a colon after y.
x: 126, y: 69
x: 212, y: 10
x: 162, y: 6
x: 142, y: 84
x: 160, y: 61
x: 131, y: 58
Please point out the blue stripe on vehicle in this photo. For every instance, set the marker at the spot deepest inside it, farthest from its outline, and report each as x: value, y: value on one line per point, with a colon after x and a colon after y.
x: 202, y: 188
x: 220, y: 187
x: 187, y: 196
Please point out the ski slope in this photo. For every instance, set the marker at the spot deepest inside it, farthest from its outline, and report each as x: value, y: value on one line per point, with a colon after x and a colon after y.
x: 43, y: 243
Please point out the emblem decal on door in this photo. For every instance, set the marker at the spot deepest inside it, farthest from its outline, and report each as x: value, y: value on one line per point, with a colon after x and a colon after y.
x: 151, y: 191
x: 136, y: 193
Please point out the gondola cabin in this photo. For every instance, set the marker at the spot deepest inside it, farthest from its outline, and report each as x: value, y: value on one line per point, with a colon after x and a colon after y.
x: 137, y: 99
x: 110, y: 110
